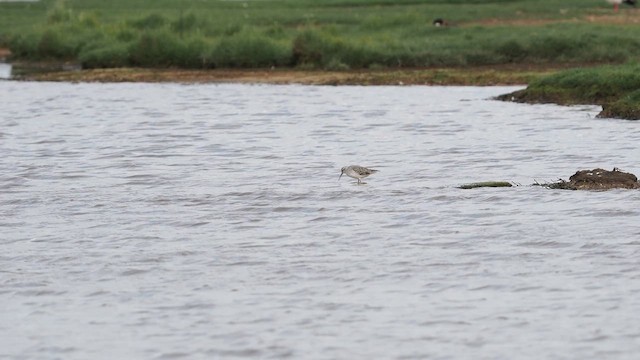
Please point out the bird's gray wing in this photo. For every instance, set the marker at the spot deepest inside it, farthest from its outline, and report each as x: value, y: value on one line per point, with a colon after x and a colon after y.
x: 363, y: 170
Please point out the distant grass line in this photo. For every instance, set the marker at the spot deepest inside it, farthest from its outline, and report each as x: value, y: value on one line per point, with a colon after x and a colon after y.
x: 325, y: 34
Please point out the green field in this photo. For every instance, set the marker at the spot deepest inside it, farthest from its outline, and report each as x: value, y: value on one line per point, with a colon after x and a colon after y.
x: 374, y: 35
x: 320, y: 34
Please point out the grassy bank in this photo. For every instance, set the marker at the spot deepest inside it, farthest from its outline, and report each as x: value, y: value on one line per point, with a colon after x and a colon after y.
x: 616, y: 88
x: 322, y: 34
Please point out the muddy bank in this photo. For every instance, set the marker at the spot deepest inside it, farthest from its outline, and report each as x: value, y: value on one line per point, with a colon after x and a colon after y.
x: 625, y: 107
x: 474, y: 76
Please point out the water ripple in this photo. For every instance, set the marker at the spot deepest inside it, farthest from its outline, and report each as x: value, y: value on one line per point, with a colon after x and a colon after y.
x: 208, y: 221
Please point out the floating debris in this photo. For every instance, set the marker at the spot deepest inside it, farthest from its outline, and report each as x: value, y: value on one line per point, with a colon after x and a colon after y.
x: 596, y: 179
x: 486, y: 184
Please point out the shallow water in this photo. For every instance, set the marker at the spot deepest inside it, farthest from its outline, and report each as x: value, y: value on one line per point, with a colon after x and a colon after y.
x: 144, y: 221
x: 5, y: 71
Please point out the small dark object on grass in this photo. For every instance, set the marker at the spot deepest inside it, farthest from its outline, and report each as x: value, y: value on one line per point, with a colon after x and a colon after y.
x: 440, y: 22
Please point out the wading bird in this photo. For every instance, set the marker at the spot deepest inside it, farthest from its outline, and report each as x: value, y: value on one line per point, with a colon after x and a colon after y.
x: 356, y: 172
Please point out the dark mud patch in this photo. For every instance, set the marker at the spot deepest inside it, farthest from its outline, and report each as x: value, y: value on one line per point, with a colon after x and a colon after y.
x: 597, y: 179
x: 472, y: 76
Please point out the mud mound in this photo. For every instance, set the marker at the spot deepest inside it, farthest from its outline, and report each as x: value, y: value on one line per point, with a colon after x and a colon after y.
x: 599, y: 179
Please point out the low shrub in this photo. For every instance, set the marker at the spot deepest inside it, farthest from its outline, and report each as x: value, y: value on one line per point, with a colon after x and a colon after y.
x: 333, y: 52
x: 156, y: 48
x: 151, y: 21
x: 249, y: 48
x: 512, y: 51
x: 60, y: 14
x: 105, y: 55
x: 24, y: 46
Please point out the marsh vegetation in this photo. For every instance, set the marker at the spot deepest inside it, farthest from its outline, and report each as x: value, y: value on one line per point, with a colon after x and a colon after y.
x: 325, y: 34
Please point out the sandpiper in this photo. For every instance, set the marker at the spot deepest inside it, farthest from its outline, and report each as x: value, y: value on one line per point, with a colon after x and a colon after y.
x: 356, y: 172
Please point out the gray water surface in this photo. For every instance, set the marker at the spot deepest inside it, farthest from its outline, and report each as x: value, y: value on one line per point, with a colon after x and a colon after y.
x: 147, y: 221
x: 5, y: 71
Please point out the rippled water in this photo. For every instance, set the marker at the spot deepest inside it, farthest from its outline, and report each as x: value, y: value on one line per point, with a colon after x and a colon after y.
x: 207, y: 221
x: 5, y: 70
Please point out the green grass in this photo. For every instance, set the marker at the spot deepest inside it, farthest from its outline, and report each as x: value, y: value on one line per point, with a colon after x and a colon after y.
x: 626, y: 107
x: 325, y: 34
x: 596, y: 85
x: 616, y: 88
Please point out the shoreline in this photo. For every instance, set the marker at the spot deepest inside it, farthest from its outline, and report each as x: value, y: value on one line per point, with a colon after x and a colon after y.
x: 497, y: 75
x: 500, y: 75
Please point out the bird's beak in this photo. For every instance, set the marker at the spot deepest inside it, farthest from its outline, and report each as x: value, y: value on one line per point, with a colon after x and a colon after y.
x: 340, y: 175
